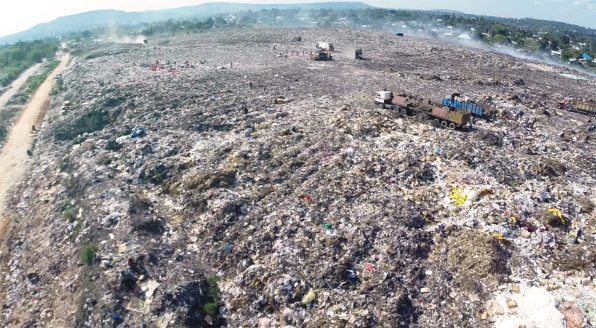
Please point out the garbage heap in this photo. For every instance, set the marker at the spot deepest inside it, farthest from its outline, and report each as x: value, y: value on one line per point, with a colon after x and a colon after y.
x: 205, y: 181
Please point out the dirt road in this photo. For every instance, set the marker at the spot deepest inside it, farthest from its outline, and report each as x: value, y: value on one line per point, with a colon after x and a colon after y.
x: 14, y: 161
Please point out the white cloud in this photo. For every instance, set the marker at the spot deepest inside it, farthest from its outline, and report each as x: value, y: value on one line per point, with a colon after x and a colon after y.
x: 589, y: 4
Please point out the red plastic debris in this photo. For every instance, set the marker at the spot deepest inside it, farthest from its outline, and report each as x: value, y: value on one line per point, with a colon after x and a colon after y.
x: 307, y: 198
x: 369, y: 267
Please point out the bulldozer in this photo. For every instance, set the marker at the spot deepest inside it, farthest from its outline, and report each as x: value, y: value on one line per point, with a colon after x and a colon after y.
x: 321, y: 55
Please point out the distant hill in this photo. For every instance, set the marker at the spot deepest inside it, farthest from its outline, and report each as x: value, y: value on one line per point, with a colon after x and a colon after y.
x: 105, y: 18
x: 447, y: 11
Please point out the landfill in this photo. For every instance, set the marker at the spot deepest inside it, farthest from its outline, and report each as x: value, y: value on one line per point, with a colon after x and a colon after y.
x: 225, y: 179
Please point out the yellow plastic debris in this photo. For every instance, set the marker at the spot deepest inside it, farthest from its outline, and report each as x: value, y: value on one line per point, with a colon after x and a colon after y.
x: 458, y: 196
x: 309, y: 297
x: 500, y: 237
x: 558, y: 213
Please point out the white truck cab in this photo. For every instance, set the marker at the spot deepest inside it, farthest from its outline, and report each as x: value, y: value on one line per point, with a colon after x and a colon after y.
x: 383, y: 97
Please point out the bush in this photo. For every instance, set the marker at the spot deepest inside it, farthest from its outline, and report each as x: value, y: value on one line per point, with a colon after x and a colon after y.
x: 210, y: 308
x: 213, y: 288
x: 113, y: 145
x: 59, y: 87
x: 88, y: 253
x: 92, y: 121
x: 7, y: 117
x: 33, y: 82
x: 69, y: 214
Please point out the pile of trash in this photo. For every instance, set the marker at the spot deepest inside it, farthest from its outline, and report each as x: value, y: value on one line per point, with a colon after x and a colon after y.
x: 242, y: 189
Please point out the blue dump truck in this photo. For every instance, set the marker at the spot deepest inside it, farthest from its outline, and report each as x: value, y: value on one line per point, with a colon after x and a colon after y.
x: 455, y: 102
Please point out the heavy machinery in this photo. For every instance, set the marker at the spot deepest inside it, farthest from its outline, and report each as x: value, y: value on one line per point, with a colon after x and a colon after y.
x: 448, y: 117
x: 442, y: 116
x: 574, y: 105
x: 459, y: 103
x: 586, y: 107
x: 401, y: 103
x: 563, y: 103
x: 321, y: 54
x: 325, y: 46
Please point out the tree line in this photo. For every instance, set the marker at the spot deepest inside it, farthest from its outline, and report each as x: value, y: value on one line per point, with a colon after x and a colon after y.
x: 532, y: 35
x: 16, y: 58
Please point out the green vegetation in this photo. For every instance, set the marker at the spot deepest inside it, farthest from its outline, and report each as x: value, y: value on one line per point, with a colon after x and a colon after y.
x: 63, y: 164
x: 58, y: 87
x: 77, y: 228
x: 112, y: 145
x: 6, y: 118
x: 210, y: 308
x: 214, y: 295
x: 68, y: 212
x: 113, y: 102
x: 92, y: 121
x: 33, y: 82
x: 16, y: 58
x: 526, y: 34
x: 88, y: 252
x: 187, y: 26
x: 500, y: 38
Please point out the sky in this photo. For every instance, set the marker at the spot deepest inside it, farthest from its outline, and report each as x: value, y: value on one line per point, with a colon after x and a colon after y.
x: 20, y: 15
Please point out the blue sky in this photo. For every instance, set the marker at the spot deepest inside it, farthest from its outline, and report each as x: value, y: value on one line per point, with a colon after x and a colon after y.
x: 19, y: 15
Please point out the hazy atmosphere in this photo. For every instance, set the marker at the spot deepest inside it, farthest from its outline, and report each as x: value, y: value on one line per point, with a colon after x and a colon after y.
x: 298, y: 163
x: 21, y: 15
